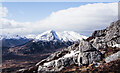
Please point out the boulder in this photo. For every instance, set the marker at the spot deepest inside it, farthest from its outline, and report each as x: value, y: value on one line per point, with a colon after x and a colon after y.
x: 113, y: 57
x: 88, y: 54
x: 85, y: 46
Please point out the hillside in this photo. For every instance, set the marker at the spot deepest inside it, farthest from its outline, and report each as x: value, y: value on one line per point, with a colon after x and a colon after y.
x: 98, y: 53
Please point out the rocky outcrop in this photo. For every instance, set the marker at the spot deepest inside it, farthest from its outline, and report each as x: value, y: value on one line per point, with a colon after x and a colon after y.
x: 106, y: 37
x: 87, y: 53
x: 113, y: 57
x: 82, y: 54
x: 111, y: 67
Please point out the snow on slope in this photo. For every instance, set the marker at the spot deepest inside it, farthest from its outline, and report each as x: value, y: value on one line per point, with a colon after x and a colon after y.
x: 63, y: 36
x: 50, y: 35
x: 31, y: 36
x: 116, y: 45
x: 70, y: 36
x: 10, y: 36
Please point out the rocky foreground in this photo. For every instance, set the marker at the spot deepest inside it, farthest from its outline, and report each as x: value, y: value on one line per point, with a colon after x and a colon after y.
x: 98, y: 53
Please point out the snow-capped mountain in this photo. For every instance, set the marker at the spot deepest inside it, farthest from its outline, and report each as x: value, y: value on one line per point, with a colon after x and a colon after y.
x: 48, y: 36
x: 63, y: 36
x: 11, y: 36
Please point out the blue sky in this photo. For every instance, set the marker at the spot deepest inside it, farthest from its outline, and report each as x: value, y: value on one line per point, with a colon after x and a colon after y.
x: 59, y: 0
x: 37, y: 17
x: 34, y: 11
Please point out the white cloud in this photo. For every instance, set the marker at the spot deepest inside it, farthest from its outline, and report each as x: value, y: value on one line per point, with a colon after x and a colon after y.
x: 3, y: 11
x: 82, y: 19
x: 86, y: 17
x: 11, y: 26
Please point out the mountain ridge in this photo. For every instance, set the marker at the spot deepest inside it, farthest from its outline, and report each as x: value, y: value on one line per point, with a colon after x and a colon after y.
x: 60, y: 36
x: 49, y: 35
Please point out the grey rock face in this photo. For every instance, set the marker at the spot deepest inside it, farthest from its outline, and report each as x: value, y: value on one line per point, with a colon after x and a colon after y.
x: 113, y: 57
x: 54, y: 56
x: 84, y: 53
x: 88, y: 54
x: 85, y: 46
x: 42, y: 68
x: 107, y: 37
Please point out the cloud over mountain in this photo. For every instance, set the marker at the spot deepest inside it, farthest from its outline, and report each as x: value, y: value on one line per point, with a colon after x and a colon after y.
x: 82, y: 19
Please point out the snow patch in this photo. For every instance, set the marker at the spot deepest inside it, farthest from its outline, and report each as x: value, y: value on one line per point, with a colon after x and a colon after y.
x: 30, y: 36
x: 116, y: 45
x: 68, y: 55
x: 71, y: 54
